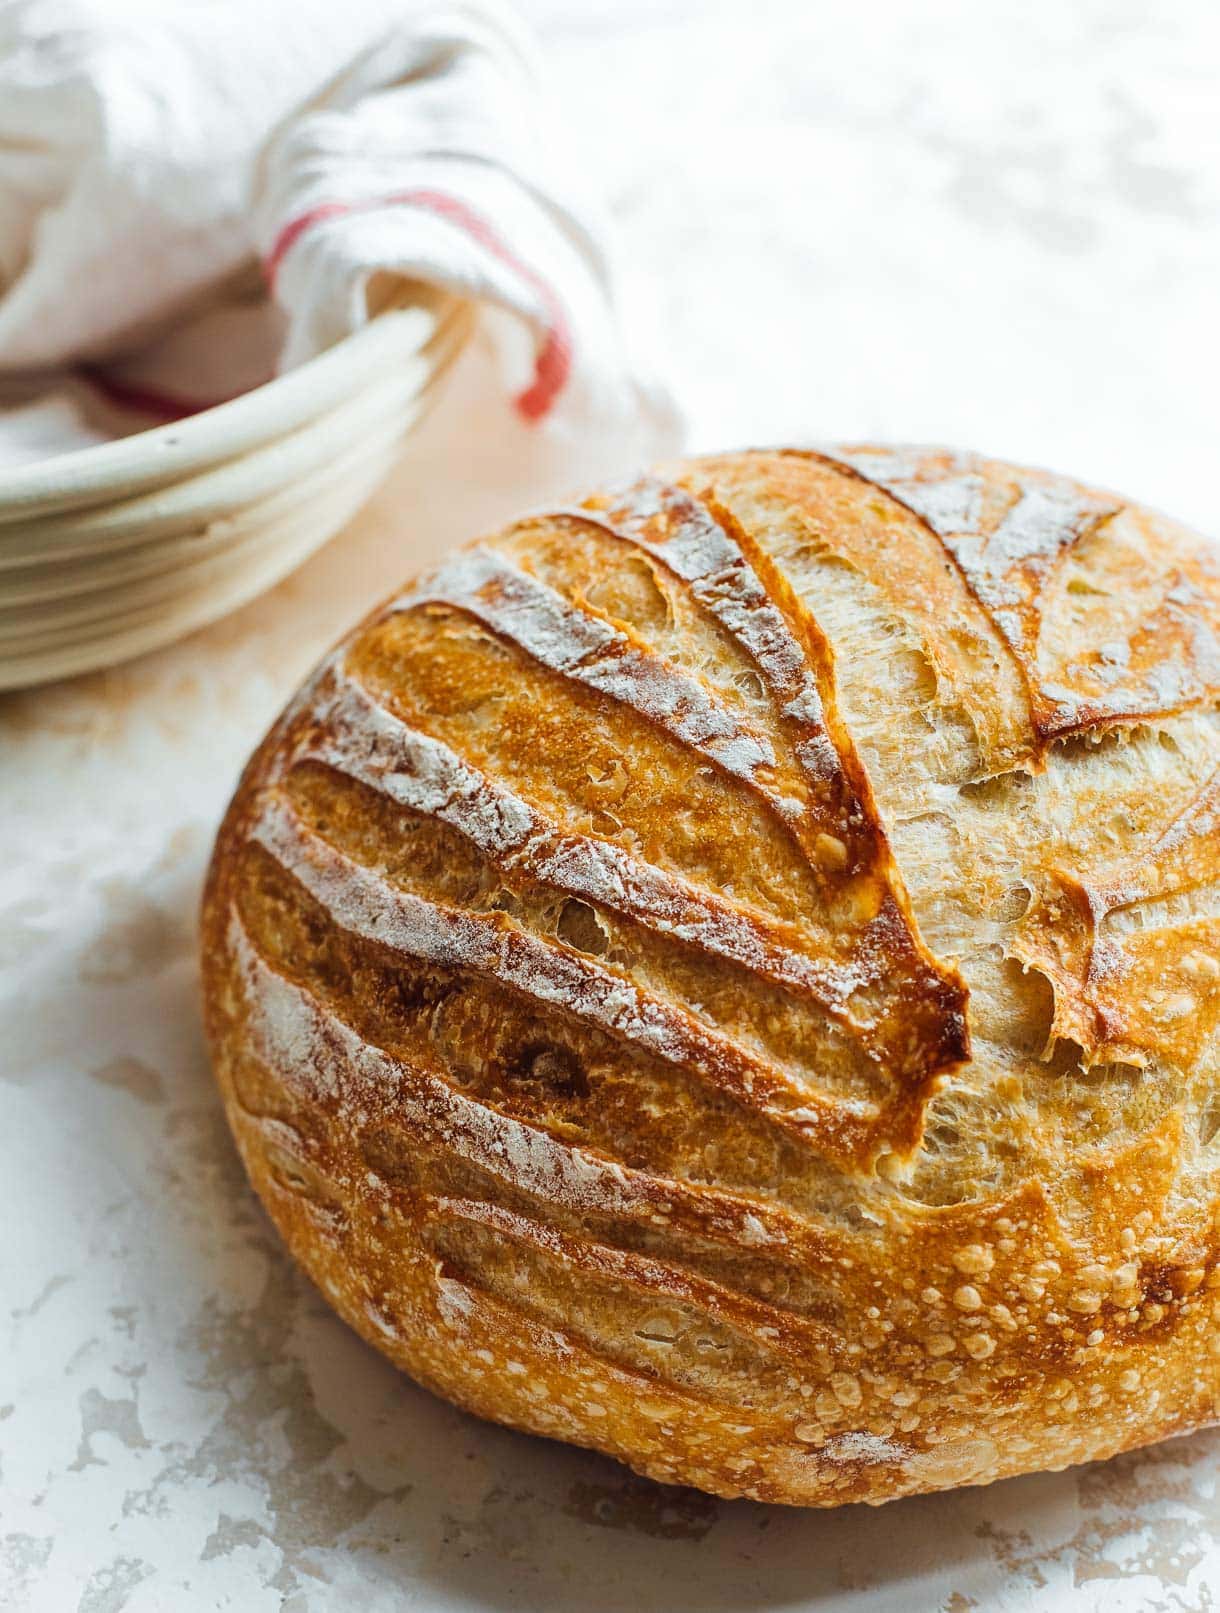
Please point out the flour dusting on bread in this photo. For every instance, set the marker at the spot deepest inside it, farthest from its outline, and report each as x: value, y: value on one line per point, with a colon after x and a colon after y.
x: 729, y: 974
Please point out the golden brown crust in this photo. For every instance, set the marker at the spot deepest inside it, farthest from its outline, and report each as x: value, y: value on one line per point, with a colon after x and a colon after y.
x: 586, y: 967
x: 1127, y: 988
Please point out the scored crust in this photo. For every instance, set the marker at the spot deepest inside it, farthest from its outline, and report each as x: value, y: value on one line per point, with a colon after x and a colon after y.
x: 727, y: 974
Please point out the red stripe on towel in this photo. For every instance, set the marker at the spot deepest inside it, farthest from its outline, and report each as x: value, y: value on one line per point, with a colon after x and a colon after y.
x: 553, y: 364
x: 163, y: 407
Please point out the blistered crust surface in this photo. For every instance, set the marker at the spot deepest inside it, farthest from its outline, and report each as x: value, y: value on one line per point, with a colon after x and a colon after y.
x: 726, y: 973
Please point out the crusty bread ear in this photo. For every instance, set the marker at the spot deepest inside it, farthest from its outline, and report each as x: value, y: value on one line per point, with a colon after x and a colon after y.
x: 728, y: 974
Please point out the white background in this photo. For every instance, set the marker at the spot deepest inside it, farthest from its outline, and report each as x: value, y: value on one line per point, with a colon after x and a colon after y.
x: 991, y: 224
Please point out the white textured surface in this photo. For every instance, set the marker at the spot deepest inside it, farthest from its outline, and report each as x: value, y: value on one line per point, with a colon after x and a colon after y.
x: 996, y: 225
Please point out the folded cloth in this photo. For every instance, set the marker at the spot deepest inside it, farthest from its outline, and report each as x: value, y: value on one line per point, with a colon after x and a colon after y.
x: 155, y: 154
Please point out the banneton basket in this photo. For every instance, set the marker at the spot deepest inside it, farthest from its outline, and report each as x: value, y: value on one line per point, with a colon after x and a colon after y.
x: 113, y: 550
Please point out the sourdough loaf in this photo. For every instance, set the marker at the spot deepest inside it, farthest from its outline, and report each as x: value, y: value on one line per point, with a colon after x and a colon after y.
x: 727, y: 974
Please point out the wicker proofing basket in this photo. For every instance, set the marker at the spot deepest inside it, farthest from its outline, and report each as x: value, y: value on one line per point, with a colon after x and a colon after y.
x: 114, y: 550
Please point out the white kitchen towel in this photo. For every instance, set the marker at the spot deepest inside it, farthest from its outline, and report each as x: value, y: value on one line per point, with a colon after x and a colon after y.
x: 194, y: 193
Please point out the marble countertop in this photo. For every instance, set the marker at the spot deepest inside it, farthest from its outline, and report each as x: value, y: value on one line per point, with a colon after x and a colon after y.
x: 993, y: 225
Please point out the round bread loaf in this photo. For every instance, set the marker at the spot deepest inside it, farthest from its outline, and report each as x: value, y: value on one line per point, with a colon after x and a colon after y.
x: 728, y: 974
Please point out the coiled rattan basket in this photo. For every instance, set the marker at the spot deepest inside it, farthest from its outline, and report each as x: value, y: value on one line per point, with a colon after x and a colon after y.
x: 114, y: 550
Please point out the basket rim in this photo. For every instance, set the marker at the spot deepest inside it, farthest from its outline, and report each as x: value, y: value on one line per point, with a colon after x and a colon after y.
x: 165, y: 453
